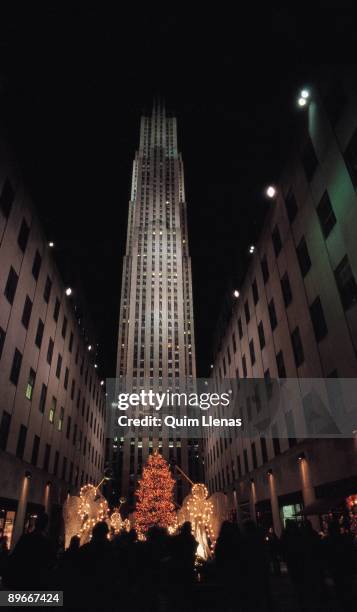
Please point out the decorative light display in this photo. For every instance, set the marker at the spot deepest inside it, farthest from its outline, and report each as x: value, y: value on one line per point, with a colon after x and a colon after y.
x: 155, y: 505
x: 93, y: 508
x: 200, y: 511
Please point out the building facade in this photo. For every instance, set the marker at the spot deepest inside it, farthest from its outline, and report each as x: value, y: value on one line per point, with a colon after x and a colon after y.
x: 156, y: 346
x: 52, y: 412
x: 296, y: 317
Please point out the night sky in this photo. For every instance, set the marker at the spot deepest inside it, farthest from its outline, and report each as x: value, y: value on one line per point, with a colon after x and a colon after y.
x: 73, y: 84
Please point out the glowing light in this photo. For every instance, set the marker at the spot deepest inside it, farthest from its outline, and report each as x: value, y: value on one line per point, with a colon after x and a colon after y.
x: 251, y: 249
x: 89, y: 347
x: 68, y: 291
x: 270, y: 191
x: 51, y: 245
x: 305, y: 93
x: 236, y: 293
x: 101, y: 383
x: 95, y: 365
x: 302, y: 101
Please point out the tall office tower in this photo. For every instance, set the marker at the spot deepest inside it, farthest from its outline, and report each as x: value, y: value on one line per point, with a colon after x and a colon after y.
x: 296, y: 319
x: 156, y: 346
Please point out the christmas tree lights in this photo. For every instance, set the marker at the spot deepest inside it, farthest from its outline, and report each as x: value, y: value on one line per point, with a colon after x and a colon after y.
x: 155, y: 505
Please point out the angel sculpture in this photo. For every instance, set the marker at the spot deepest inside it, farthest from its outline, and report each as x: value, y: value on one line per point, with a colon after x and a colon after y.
x: 200, y: 511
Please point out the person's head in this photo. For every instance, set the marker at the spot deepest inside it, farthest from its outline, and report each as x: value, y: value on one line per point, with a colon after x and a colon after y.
x: 41, y: 522
x: 186, y: 528
x: 74, y: 543
x: 132, y: 535
x: 100, y: 532
x: 250, y: 527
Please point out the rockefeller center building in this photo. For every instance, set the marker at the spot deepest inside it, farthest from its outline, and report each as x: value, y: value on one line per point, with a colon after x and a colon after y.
x: 295, y: 317
x: 52, y: 410
x: 156, y: 346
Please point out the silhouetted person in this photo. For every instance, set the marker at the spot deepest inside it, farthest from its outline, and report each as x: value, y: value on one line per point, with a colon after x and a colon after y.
x: 340, y: 554
x: 33, y: 559
x: 273, y: 543
x: 255, y: 570
x: 97, y: 574
x: 4, y: 552
x: 292, y: 547
x: 227, y: 554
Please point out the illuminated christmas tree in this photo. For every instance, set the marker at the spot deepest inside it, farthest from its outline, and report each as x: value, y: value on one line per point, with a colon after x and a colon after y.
x: 155, y: 505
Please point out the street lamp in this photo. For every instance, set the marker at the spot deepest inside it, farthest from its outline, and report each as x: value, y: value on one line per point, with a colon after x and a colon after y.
x: 270, y: 191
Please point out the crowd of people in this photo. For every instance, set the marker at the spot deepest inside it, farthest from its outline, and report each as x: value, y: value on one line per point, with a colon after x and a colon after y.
x: 161, y: 573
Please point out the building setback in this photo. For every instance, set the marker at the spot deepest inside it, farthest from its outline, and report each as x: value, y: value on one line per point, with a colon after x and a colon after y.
x: 296, y: 316
x: 156, y: 347
x: 52, y: 412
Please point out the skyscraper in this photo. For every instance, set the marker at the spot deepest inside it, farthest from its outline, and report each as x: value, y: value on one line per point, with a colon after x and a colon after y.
x: 156, y: 345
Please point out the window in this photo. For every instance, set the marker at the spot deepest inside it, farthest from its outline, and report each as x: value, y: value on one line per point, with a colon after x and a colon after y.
x: 11, y: 285
x: 43, y: 398
x: 21, y: 442
x: 297, y: 347
x: 261, y: 335
x: 346, y: 283
x: 47, y: 290
x: 309, y: 160
x: 272, y: 314
x: 23, y: 236
x: 240, y: 329
x: 36, y: 266
x: 268, y: 384
x: 290, y: 428
x: 263, y: 446
x: 2, y: 340
x: 16, y: 367
x: 68, y: 431
x: 286, y: 290
x: 55, y: 463
x: 265, y: 269
x: 61, y: 419
x: 276, y: 440
x: 66, y: 376
x: 6, y: 198
x: 318, y: 320
x: 252, y: 352
x: 245, y: 457
x: 4, y: 429
x: 246, y: 311
x: 70, y: 346
x: 255, y: 292
x: 244, y: 366
x: 64, y: 327
x: 51, y: 416
x: 59, y: 365
x: 39, y: 333
x: 254, y: 455
x: 280, y: 365
x: 276, y: 241
x: 26, y: 313
x: 64, y: 468
x: 50, y: 351
x: 30, y: 384
x: 303, y: 257
x: 35, y: 448
x: 56, y: 310
x: 291, y: 206
x: 46, y: 458
x: 351, y: 158
x: 326, y: 215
